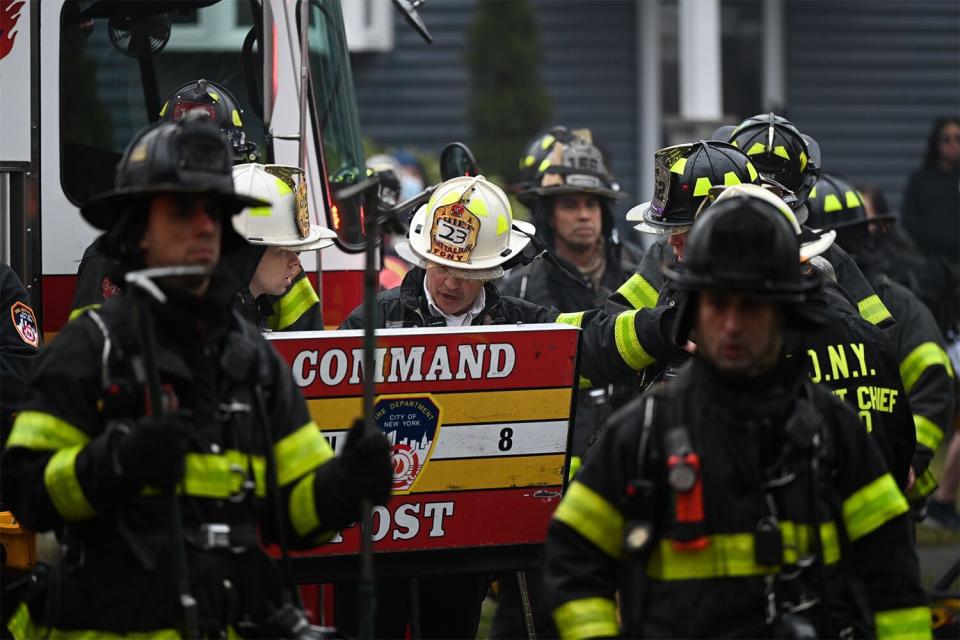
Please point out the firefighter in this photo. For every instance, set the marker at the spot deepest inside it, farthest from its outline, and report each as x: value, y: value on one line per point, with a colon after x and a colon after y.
x: 100, y: 276
x: 458, y: 243
x: 924, y: 366
x: 571, y: 194
x: 848, y: 355
x: 20, y: 341
x: 170, y: 403
x: 793, y: 160
x: 265, y: 267
x: 739, y: 500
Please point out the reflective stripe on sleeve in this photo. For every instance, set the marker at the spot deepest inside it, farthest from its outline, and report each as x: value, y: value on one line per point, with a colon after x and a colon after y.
x: 928, y: 354
x: 628, y: 345
x: 301, y: 452
x: 79, y: 311
x: 42, y: 431
x: 873, y: 310
x: 923, y: 487
x: 22, y: 626
x: 928, y: 433
x: 572, y: 319
x: 639, y: 293
x: 303, y: 507
x: 587, y: 618
x: 592, y: 517
x: 293, y: 304
x: 63, y: 487
x: 914, y: 623
x: 871, y: 506
x: 731, y: 555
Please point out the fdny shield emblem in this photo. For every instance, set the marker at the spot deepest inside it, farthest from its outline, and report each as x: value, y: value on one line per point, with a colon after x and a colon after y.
x: 454, y: 232
x: 25, y: 323
x: 411, y: 424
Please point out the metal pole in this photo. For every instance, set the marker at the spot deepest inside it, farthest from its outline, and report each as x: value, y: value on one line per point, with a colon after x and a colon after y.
x: 649, y: 124
x: 701, y: 91
x: 774, y: 56
x: 367, y: 595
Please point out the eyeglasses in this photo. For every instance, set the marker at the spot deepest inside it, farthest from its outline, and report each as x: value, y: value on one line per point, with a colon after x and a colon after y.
x: 953, y: 138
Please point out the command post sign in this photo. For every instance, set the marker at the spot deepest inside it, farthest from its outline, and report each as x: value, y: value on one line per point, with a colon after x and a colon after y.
x: 478, y: 419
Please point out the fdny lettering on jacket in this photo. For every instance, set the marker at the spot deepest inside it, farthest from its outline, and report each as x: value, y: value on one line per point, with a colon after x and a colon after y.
x: 839, y: 366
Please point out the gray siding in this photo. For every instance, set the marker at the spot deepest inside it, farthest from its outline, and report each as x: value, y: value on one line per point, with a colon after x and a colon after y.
x: 867, y: 78
x: 417, y: 94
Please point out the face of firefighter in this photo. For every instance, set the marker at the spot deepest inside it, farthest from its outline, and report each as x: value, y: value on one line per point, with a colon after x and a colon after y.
x: 577, y: 221
x: 182, y: 231
x: 277, y: 269
x: 678, y: 242
x: 452, y: 295
x: 740, y: 336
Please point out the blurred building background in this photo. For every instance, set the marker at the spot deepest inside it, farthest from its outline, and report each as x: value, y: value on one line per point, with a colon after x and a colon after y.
x: 865, y: 78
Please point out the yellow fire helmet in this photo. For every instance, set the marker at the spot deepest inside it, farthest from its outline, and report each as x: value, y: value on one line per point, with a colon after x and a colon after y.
x: 467, y: 225
x: 285, y: 224
x: 812, y: 241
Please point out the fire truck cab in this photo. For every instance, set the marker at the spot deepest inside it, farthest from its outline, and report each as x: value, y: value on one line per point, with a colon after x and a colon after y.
x: 79, y: 77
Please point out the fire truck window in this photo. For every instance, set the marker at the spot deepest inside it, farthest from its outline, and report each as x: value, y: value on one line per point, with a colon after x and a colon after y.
x: 107, y: 58
x: 335, y: 111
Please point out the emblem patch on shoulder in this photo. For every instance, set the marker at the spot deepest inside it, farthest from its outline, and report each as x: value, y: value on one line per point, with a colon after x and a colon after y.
x: 411, y: 424
x: 25, y: 323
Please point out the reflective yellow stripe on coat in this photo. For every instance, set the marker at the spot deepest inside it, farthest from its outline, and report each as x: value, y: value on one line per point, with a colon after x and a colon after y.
x: 926, y: 355
x: 293, y: 304
x: 872, y: 506
x: 639, y: 293
x: 590, y: 515
x: 873, y: 310
x: 587, y: 618
x: 628, y: 345
x: 904, y: 624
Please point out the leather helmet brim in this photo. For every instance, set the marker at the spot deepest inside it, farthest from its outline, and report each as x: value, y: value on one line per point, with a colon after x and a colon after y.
x: 104, y: 211
x: 642, y: 213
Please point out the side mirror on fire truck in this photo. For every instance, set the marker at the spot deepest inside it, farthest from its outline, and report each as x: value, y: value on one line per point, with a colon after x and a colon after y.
x: 457, y: 160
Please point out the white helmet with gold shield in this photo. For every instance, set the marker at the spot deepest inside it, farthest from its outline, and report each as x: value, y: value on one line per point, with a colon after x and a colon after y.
x: 467, y: 225
x: 284, y: 224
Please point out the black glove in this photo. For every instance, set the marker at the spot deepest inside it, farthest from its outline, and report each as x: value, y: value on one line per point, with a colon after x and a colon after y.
x: 362, y: 470
x: 367, y: 464
x: 152, y: 451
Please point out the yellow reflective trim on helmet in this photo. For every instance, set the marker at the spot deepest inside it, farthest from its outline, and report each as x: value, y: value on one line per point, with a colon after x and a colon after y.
x: 679, y: 166
x: 543, y: 165
x: 734, y: 144
x: 813, y: 192
x: 852, y: 200
x: 757, y: 148
x: 592, y: 517
x: 872, y: 506
x: 803, y: 161
x: 832, y: 203
x: 260, y: 212
x: 731, y: 179
x: 702, y: 187
x: 236, y: 118
x: 214, y: 95
x: 752, y: 171
x: 527, y: 162
x: 914, y: 623
x: 503, y: 225
x: 781, y: 151
x: 163, y: 109
x: 547, y: 141
x: 478, y: 207
x: 282, y: 187
x: 587, y: 618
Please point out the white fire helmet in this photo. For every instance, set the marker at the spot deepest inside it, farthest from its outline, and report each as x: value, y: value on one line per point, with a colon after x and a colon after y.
x: 285, y: 224
x: 812, y: 241
x: 467, y: 225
